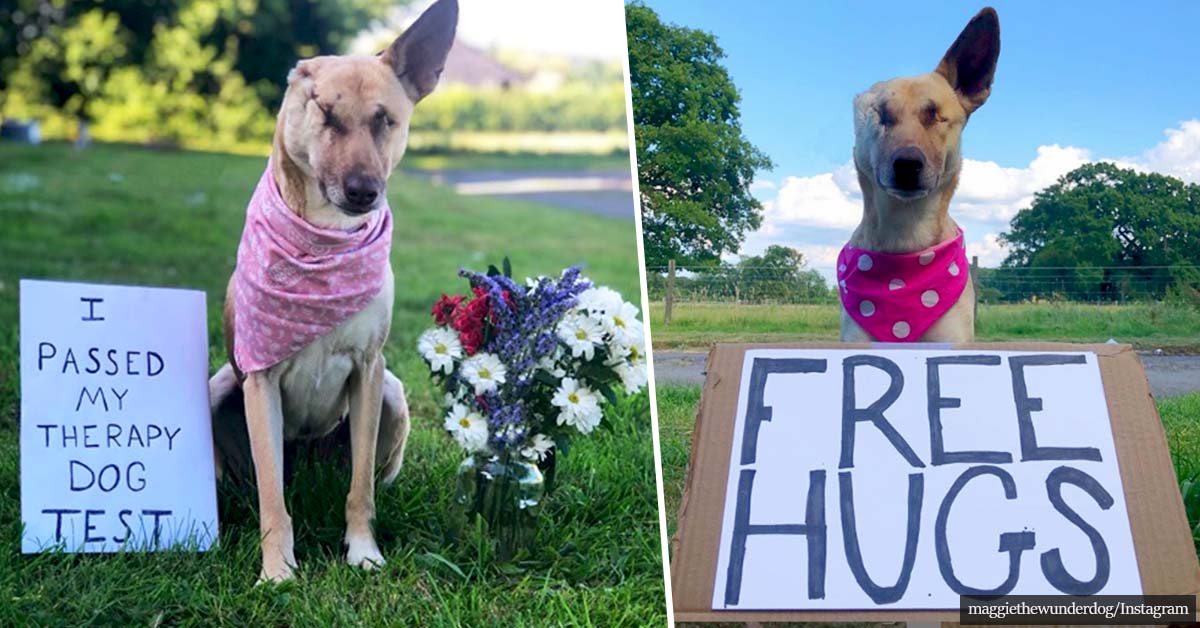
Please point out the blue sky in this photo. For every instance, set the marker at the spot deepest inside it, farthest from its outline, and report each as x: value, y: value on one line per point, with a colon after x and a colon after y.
x: 1075, y: 82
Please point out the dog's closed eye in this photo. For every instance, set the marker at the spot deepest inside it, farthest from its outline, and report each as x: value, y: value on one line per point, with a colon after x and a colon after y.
x: 929, y: 115
x: 328, y: 118
x: 382, y: 121
x: 885, y: 115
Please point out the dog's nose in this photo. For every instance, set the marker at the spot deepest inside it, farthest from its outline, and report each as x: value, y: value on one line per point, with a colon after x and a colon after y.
x: 907, y: 164
x: 361, y: 190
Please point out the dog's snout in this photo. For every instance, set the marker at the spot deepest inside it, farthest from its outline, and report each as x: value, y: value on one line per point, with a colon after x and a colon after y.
x: 362, y: 190
x: 907, y: 166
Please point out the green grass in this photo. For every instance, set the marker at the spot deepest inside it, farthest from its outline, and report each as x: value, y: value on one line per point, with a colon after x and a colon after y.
x: 1181, y: 417
x: 1171, y: 327
x: 677, y: 418
x: 124, y: 215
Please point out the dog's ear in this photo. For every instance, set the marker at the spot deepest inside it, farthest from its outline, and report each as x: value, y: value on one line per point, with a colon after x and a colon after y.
x: 970, y: 63
x: 419, y: 55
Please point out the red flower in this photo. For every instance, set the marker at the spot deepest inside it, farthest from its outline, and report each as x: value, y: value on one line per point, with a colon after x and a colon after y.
x: 443, y: 310
x: 469, y: 320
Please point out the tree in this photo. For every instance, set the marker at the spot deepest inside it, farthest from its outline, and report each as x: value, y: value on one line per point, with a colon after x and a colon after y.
x: 779, y: 274
x: 208, y: 70
x: 695, y: 166
x: 1100, y: 220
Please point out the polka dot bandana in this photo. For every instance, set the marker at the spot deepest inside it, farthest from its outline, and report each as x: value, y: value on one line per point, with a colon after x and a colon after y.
x: 295, y: 282
x: 896, y: 298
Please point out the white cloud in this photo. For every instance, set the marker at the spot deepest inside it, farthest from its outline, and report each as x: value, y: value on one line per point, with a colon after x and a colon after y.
x: 991, y: 193
x: 763, y: 184
x: 1179, y: 154
x: 989, y: 249
x: 824, y: 200
x: 805, y: 209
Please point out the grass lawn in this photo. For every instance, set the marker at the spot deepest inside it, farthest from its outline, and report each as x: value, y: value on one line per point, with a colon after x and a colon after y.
x: 677, y: 417
x: 131, y: 216
x: 1174, y: 328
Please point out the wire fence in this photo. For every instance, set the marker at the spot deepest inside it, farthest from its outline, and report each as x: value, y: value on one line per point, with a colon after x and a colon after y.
x: 1084, y: 284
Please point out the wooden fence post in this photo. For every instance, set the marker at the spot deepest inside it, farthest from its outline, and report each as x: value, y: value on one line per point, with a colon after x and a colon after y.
x: 670, y: 302
x: 975, y: 285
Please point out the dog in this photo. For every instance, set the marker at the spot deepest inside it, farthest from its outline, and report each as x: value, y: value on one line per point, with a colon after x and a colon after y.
x: 903, y: 274
x: 309, y: 307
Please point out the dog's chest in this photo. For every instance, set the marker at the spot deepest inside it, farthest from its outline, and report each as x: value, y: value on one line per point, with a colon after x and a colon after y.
x: 314, y: 383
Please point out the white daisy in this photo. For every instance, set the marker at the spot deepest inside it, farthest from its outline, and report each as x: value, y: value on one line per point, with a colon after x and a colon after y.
x: 440, y: 347
x: 484, y: 371
x: 582, y: 335
x: 468, y: 428
x: 622, y: 323
x: 600, y: 301
x: 633, y: 376
x: 550, y: 365
x: 580, y: 406
x: 629, y: 363
x: 538, y: 447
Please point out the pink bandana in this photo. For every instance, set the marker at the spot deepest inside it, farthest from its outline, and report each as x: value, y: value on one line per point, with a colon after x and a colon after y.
x: 295, y: 282
x: 897, y: 297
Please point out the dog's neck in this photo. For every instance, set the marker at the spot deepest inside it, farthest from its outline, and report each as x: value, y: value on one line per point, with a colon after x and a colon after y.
x: 293, y: 185
x: 892, y: 225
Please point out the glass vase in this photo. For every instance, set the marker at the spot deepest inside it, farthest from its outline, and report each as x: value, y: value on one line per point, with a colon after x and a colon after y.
x: 506, y: 493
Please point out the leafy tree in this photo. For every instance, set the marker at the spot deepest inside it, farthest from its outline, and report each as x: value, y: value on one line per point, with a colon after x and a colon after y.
x: 695, y: 166
x: 1108, y: 224
x: 208, y: 70
x: 779, y: 274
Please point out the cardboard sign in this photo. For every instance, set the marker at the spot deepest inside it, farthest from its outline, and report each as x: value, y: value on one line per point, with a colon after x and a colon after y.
x: 116, y: 436
x: 877, y: 483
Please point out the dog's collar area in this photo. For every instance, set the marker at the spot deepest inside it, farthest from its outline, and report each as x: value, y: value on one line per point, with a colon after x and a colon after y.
x: 296, y: 282
x: 896, y: 297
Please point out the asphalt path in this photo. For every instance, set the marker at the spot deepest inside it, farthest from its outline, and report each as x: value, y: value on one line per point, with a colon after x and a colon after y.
x: 604, y: 192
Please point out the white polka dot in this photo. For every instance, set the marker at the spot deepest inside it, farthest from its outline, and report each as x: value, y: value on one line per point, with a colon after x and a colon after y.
x: 864, y: 262
x: 953, y: 268
x: 901, y: 329
x: 866, y: 308
x: 925, y: 258
x: 841, y: 268
x: 929, y: 298
x: 896, y: 284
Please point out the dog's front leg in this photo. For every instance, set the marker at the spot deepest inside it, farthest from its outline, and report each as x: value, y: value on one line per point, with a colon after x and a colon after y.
x: 264, y: 420
x: 366, y: 398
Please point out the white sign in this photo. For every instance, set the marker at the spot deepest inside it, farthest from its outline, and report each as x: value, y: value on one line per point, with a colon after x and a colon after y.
x: 116, y: 437
x: 902, y: 479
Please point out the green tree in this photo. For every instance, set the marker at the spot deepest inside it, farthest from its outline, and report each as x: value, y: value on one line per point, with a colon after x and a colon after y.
x: 1123, y: 233
x: 204, y: 70
x: 779, y: 274
x: 695, y: 166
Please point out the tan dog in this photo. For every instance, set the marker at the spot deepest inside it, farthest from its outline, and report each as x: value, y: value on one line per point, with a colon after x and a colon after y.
x: 342, y: 128
x: 907, y: 150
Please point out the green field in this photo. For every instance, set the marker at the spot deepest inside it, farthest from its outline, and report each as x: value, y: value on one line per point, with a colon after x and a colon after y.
x: 132, y: 216
x: 1174, y: 328
x: 677, y: 417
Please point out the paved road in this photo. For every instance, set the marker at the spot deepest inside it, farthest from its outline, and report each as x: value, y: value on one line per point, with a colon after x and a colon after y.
x: 604, y: 192
x: 1169, y: 375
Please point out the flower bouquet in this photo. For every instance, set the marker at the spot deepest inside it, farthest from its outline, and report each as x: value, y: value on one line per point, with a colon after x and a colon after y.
x: 525, y: 369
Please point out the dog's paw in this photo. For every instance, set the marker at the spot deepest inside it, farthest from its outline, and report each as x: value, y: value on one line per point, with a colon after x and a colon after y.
x: 274, y: 574
x: 363, y: 552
